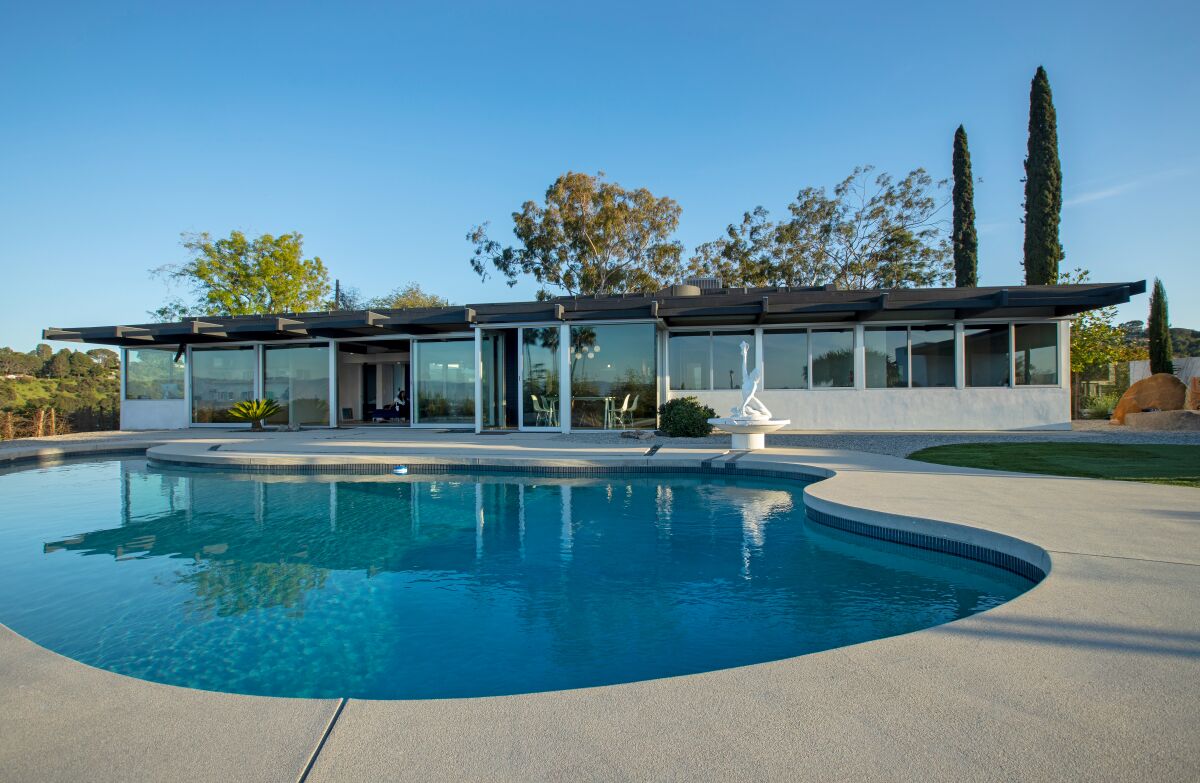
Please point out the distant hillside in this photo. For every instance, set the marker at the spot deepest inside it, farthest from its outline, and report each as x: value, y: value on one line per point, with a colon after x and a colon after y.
x: 82, y: 388
x: 1185, y: 342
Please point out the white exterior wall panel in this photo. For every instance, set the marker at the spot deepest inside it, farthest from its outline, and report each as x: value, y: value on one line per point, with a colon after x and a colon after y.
x: 154, y: 415
x: 1029, y: 408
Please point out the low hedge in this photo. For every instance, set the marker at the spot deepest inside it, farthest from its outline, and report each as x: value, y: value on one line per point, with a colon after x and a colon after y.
x: 685, y: 417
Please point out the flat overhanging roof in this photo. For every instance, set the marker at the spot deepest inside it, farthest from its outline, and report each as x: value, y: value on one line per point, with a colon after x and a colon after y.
x: 721, y: 307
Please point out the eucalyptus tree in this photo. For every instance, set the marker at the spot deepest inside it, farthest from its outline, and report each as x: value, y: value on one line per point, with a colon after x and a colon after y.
x: 587, y: 236
x: 872, y: 231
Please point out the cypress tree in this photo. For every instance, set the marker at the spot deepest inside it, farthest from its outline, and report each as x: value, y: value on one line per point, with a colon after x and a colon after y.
x: 966, y: 242
x: 1159, y: 330
x: 1043, y: 187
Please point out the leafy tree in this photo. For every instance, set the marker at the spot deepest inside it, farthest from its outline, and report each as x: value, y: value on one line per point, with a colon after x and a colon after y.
x: 966, y: 242
x: 872, y: 232
x: 14, y: 363
x: 59, y: 365
x: 107, y: 359
x: 1095, y: 341
x: 410, y: 295
x: 751, y: 253
x: 82, y: 364
x: 590, y: 236
x: 43, y: 351
x: 242, y: 276
x: 1043, y: 187
x: 1159, y: 328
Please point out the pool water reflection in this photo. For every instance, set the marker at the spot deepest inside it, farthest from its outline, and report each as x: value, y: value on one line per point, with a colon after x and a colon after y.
x: 445, y: 586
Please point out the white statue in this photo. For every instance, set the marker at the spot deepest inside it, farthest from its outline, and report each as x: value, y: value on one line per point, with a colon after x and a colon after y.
x: 751, y: 407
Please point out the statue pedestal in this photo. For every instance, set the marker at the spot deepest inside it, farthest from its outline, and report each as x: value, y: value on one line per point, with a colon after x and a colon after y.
x: 749, y: 434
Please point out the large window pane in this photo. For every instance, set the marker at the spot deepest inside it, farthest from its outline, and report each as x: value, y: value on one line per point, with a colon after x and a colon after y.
x: 539, y: 359
x: 221, y: 378
x: 785, y: 359
x: 1036, y: 354
x: 932, y: 356
x: 613, y: 379
x: 832, y: 357
x: 445, y: 377
x: 153, y: 374
x: 297, y: 377
x: 727, y: 358
x: 690, y: 360
x: 887, y: 356
x: 986, y: 349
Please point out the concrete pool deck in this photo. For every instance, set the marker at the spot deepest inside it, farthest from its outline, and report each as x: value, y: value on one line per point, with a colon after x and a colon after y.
x: 1094, y: 674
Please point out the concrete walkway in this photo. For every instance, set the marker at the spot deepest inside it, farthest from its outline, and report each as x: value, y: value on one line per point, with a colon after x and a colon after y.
x: 1092, y: 675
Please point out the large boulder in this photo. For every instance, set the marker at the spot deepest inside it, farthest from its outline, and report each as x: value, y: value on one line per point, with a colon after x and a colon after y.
x: 1192, y: 401
x: 1161, y: 391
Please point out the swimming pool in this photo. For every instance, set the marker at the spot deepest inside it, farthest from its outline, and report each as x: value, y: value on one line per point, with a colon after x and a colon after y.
x: 438, y: 586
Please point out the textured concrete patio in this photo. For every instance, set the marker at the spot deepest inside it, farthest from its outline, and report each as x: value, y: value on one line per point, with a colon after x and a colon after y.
x: 1092, y: 675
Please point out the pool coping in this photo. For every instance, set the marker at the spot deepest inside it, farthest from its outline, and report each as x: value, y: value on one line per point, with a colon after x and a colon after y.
x: 858, y: 488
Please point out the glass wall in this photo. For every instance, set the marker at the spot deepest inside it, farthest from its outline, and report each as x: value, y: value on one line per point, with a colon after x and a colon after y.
x: 887, y: 356
x: 613, y: 376
x: 727, y: 358
x: 539, y: 373
x: 154, y: 374
x: 297, y: 377
x: 901, y: 357
x: 690, y: 357
x: 785, y: 359
x: 701, y: 361
x: 445, y: 381
x: 221, y: 378
x: 1036, y: 354
x: 986, y: 350
x: 832, y: 358
x: 932, y: 356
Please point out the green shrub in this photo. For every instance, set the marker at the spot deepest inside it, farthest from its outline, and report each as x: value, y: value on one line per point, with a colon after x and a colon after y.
x: 1101, y: 406
x: 685, y: 418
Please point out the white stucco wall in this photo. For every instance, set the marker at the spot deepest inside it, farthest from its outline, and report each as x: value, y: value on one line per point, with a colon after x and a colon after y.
x: 154, y: 415
x: 1028, y: 408
x: 1185, y: 368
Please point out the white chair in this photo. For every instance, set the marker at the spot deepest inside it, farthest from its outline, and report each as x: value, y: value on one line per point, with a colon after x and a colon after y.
x: 622, y: 415
x: 544, y: 415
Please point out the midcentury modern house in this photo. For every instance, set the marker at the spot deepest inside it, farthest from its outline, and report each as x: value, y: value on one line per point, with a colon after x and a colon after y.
x: 900, y: 359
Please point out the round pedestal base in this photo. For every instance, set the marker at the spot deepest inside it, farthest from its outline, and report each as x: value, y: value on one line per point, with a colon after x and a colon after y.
x: 749, y: 434
x: 749, y: 441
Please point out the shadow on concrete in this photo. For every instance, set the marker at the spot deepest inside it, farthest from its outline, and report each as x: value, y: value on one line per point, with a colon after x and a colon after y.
x: 1095, y: 636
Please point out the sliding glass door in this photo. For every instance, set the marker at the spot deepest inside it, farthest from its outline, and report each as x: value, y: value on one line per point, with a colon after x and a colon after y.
x: 539, y: 378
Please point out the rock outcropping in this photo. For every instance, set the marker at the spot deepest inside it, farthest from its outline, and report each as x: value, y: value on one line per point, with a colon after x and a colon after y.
x: 1161, y: 391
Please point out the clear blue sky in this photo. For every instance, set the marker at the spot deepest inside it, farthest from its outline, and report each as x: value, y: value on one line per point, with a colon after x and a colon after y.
x: 384, y: 132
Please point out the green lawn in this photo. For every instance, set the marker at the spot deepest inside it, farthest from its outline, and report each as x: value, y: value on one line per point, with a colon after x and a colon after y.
x: 1160, y: 464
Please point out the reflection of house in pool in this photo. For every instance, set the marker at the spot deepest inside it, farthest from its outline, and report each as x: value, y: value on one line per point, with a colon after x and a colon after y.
x: 406, y: 525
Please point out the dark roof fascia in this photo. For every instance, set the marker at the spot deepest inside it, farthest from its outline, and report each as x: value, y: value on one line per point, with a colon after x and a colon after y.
x: 767, y: 306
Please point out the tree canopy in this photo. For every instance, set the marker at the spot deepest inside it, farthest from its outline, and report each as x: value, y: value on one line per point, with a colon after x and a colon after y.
x: 242, y: 276
x: 963, y: 236
x: 1158, y: 327
x: 1095, y: 340
x: 873, y: 231
x: 588, y: 236
x: 1043, y: 186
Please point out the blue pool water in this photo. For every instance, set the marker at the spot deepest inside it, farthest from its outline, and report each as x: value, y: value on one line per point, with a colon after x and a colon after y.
x: 442, y: 586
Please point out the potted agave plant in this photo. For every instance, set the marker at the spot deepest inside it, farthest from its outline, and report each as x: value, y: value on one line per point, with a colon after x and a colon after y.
x: 254, y: 411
